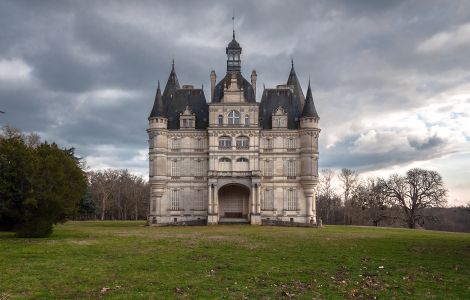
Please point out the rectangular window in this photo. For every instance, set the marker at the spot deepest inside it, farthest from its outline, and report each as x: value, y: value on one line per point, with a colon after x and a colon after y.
x: 268, y: 168
x: 175, y: 168
x: 198, y: 168
x: 268, y: 144
x: 291, y: 169
x: 174, y: 199
x: 199, y: 144
x: 291, y: 199
x: 175, y: 144
x: 268, y: 200
x: 291, y: 144
x: 199, y: 200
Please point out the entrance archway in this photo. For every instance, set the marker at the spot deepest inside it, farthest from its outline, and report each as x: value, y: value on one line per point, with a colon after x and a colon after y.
x: 234, y: 202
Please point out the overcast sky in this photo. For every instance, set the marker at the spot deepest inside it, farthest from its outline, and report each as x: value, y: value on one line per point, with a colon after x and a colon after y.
x: 391, y: 79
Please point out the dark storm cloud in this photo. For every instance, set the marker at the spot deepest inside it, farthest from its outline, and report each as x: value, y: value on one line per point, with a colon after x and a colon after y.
x: 94, y: 67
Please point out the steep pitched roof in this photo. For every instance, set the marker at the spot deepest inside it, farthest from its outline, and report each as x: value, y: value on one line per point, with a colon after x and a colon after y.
x: 171, y: 85
x: 188, y: 97
x: 272, y: 99
x: 159, y: 109
x: 248, y: 92
x: 309, y: 110
x: 294, y: 82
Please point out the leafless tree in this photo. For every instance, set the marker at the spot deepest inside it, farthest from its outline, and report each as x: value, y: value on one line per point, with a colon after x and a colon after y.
x: 327, y: 195
x: 103, y: 183
x: 374, y: 205
x: 349, y: 180
x: 417, y: 190
x: 119, y: 194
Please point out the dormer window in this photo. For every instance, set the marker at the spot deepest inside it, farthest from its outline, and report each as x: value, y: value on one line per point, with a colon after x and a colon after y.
x: 279, y: 118
x: 234, y: 118
x: 187, y: 119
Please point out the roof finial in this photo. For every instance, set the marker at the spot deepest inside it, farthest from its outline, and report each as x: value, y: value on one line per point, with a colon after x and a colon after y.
x: 292, y: 61
x: 308, y: 80
x: 158, y: 86
x: 233, y: 24
x: 173, y: 64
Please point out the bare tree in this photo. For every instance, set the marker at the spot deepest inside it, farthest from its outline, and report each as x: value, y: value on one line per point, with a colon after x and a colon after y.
x: 103, y: 183
x: 417, y: 190
x: 349, y: 180
x: 119, y: 194
x: 373, y: 202
x: 9, y: 132
x: 326, y: 194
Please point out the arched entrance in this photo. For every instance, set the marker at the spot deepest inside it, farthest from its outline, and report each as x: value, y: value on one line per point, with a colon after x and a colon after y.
x: 234, y: 202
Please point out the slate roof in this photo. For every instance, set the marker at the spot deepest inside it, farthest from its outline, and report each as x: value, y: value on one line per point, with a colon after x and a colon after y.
x: 294, y: 82
x: 171, y: 85
x: 309, y: 110
x: 291, y: 98
x: 196, y: 100
x: 248, y: 92
x: 159, y: 109
x: 233, y: 44
x: 272, y: 99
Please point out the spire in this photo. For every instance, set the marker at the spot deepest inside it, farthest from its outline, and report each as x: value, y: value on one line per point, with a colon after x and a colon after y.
x: 309, y: 110
x: 233, y: 25
x: 233, y: 52
x: 172, y: 84
x: 158, y: 109
x: 293, y: 81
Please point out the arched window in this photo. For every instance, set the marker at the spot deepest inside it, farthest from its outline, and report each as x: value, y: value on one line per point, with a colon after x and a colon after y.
x: 242, y: 159
x: 247, y: 120
x: 243, y: 142
x: 221, y: 120
x: 225, y: 159
x: 225, y: 142
x: 234, y: 118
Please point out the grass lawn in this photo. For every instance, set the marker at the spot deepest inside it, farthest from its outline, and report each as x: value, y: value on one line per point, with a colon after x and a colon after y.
x: 234, y: 262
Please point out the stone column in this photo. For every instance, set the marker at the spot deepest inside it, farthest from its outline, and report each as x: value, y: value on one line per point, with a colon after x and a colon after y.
x: 209, y: 202
x: 253, y: 199
x: 258, y: 199
x: 309, y: 206
x: 216, y: 200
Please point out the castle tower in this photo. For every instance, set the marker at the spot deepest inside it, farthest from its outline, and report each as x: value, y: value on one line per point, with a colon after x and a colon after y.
x: 157, y: 130
x: 309, y: 152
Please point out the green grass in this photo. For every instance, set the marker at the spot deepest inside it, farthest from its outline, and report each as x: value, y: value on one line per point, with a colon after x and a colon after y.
x: 234, y: 262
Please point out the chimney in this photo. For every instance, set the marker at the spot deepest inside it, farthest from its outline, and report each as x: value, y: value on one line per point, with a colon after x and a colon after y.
x: 213, y: 79
x: 253, y: 81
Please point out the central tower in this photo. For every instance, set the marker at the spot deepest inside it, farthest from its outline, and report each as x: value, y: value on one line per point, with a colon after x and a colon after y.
x: 234, y: 52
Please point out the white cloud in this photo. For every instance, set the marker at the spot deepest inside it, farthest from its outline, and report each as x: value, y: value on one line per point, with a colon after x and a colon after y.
x: 106, y: 97
x: 446, y: 41
x: 14, y: 70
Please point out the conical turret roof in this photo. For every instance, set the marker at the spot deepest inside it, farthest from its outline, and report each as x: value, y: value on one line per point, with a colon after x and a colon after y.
x: 294, y: 82
x: 159, y: 109
x: 309, y: 110
x: 171, y: 85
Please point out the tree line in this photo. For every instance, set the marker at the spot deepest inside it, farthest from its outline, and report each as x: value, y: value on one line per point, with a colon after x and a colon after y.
x: 415, y: 199
x: 114, y: 195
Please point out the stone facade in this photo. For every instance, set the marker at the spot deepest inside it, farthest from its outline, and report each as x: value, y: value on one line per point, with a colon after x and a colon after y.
x: 233, y: 159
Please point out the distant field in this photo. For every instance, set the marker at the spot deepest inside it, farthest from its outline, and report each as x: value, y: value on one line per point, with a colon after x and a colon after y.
x: 234, y: 262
